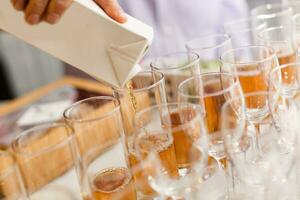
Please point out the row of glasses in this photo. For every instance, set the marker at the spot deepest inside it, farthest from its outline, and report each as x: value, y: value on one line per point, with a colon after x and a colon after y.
x: 91, y: 125
x: 109, y: 141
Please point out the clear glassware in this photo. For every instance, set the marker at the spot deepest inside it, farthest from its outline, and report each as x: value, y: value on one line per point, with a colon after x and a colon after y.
x: 244, y: 32
x: 296, y: 27
x: 252, y: 65
x: 283, y: 41
x: 144, y: 90
x: 273, y: 14
x: 211, y: 90
x: 285, y: 102
x: 103, y: 168
x: 255, y: 156
x: 298, y: 55
x: 11, y: 184
x: 176, y: 67
x: 287, y: 84
x: 209, y: 48
x: 261, y: 172
x: 170, y: 145
x: 45, y: 155
x: 106, y: 174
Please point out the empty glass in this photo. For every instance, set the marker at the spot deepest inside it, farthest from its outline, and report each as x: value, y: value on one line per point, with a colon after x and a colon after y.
x: 209, y: 48
x: 45, y: 155
x: 176, y: 67
x: 11, y: 185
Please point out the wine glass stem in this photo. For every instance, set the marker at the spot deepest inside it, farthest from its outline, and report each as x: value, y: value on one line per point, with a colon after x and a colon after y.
x: 223, y: 167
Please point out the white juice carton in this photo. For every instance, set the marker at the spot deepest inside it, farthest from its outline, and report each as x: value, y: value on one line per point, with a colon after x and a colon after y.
x: 86, y: 38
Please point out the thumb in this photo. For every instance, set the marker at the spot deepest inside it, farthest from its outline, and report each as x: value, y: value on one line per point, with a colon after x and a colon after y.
x: 113, y: 9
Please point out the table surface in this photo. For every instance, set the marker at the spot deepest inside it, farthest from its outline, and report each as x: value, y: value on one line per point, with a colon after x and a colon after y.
x: 31, y: 97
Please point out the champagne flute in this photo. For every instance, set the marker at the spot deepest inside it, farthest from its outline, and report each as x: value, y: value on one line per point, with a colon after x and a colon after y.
x: 210, y: 90
x: 156, y: 147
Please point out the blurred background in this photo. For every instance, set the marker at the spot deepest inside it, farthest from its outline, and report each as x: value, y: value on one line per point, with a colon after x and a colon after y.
x: 24, y: 68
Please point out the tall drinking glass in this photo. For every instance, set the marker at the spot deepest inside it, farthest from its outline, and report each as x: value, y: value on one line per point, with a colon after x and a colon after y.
x: 11, y: 185
x: 252, y: 65
x: 244, y: 32
x: 273, y: 14
x: 102, y: 167
x: 145, y: 90
x: 45, y: 155
x: 176, y: 67
x: 211, y: 90
x: 209, y: 48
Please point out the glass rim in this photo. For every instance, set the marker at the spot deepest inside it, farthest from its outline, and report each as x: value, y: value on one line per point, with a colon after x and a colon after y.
x: 63, y: 142
x: 266, y: 93
x: 226, y: 36
x: 158, y: 82
x: 228, y: 52
x: 256, y: 11
x: 11, y: 168
x: 270, y: 29
x: 101, y: 117
x: 167, y: 105
x: 238, y: 21
x: 223, y: 91
x: 155, y: 68
x: 278, y: 68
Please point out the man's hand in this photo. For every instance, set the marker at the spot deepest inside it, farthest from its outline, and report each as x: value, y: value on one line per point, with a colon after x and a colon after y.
x: 52, y: 10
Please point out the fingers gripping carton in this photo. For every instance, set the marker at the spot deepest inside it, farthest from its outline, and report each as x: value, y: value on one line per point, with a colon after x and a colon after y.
x: 87, y: 39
